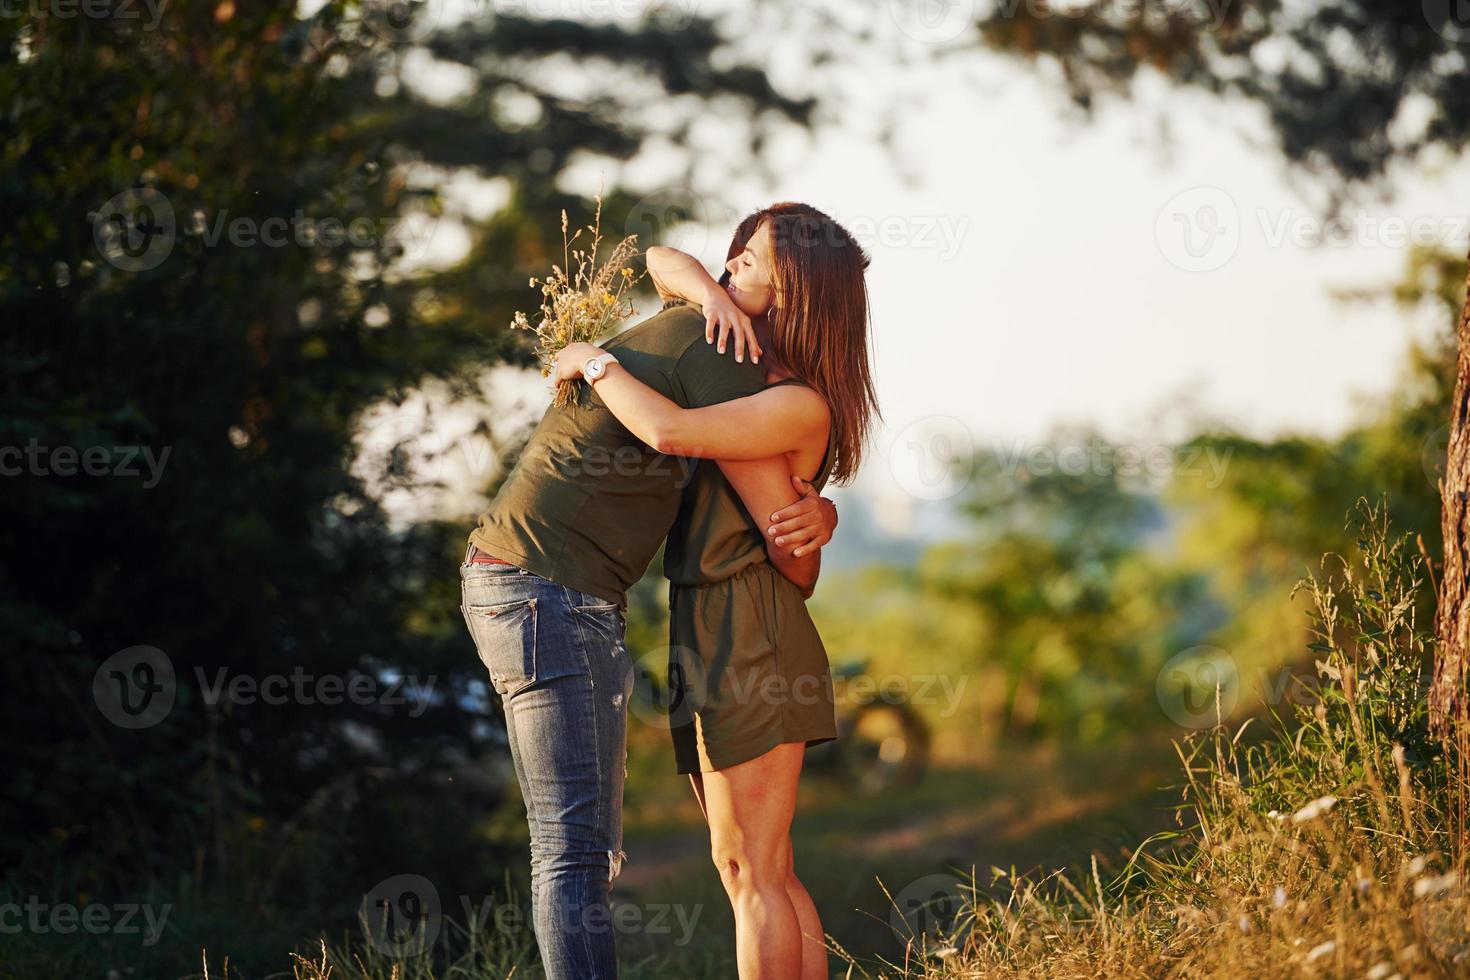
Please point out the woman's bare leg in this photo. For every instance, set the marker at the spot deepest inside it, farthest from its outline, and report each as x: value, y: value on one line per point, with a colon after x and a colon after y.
x: 813, y: 940
x: 778, y: 935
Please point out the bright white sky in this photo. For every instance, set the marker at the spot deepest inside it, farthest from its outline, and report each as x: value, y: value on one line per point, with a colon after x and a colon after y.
x: 1029, y: 272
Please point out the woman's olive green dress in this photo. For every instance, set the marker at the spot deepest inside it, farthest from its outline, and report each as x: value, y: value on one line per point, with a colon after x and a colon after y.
x: 747, y: 670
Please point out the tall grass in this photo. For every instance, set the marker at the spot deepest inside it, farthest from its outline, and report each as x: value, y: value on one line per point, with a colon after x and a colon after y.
x: 1324, y: 845
x: 1325, y: 848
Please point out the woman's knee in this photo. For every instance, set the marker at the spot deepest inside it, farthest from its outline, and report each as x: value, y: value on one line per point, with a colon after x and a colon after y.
x: 745, y: 864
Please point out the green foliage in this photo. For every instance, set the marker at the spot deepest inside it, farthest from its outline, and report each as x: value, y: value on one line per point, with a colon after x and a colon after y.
x: 1331, y: 77
x: 250, y: 358
x: 1328, y: 847
x: 1076, y: 584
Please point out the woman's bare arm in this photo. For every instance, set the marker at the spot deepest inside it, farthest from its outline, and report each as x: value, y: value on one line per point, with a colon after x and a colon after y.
x: 679, y: 275
x: 776, y: 420
x: 765, y: 486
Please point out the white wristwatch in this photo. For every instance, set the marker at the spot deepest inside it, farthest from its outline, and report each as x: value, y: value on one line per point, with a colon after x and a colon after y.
x: 595, y: 367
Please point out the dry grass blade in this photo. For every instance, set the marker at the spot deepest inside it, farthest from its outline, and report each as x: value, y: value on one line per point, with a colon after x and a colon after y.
x: 583, y: 299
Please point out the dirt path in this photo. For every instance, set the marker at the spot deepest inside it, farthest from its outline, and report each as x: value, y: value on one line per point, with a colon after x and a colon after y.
x: 1037, y: 810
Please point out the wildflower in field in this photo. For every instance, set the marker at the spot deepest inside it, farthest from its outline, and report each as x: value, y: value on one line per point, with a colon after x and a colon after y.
x: 1432, y: 885
x: 1314, y: 809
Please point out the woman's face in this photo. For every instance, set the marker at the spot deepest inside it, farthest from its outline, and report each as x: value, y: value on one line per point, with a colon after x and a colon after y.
x: 751, y: 284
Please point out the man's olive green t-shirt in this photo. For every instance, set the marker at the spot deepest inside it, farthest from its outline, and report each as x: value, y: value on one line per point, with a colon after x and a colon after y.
x: 588, y: 503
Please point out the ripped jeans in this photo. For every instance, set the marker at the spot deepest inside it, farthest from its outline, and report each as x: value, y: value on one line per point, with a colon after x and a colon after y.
x: 559, y: 663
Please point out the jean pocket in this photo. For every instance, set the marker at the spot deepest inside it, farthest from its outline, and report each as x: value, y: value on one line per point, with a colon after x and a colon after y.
x: 505, y: 638
x: 606, y: 617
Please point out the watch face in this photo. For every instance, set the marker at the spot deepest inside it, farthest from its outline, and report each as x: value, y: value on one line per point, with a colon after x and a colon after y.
x: 593, y: 368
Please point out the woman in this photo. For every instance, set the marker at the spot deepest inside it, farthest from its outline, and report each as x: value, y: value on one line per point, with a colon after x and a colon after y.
x: 736, y: 623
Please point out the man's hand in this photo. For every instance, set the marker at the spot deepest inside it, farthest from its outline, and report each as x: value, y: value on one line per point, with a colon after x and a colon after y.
x: 806, y: 525
x: 570, y: 360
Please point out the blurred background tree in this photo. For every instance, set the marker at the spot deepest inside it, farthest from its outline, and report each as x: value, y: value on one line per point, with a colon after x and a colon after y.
x: 263, y: 550
x: 1351, y: 88
x: 1080, y: 574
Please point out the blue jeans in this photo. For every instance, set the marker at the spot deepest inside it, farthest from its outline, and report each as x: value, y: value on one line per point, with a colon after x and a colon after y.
x: 558, y: 661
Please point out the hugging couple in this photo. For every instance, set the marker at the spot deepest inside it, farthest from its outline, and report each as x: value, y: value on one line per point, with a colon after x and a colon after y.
x: 547, y: 571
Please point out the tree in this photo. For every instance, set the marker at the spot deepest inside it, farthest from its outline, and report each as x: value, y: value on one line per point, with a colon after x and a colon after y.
x: 1351, y: 88
x: 202, y: 258
x: 1447, y: 708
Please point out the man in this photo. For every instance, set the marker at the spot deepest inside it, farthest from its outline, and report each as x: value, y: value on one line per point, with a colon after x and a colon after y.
x: 545, y: 583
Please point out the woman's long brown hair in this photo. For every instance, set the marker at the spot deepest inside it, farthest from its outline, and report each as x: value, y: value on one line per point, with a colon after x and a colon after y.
x: 819, y: 319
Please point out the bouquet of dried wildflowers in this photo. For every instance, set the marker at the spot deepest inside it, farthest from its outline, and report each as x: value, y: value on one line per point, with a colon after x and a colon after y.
x: 582, y: 299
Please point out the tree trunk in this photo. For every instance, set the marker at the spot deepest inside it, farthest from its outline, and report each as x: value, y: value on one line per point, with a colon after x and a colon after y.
x: 1452, y: 621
